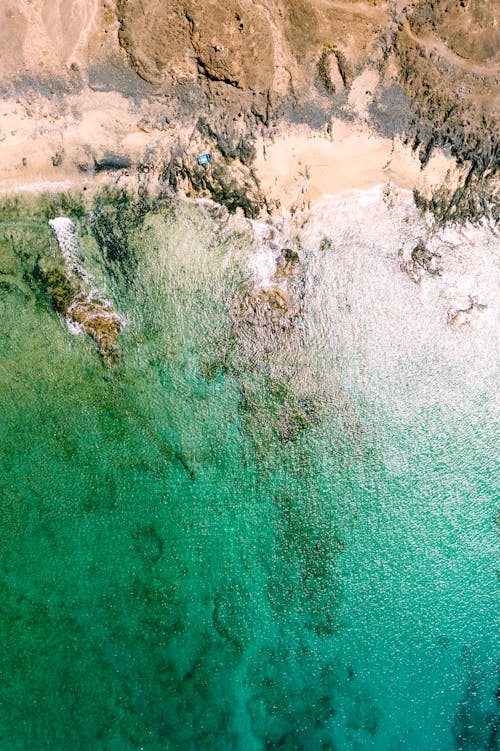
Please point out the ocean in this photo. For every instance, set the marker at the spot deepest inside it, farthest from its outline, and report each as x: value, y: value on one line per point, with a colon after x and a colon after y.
x: 271, y: 524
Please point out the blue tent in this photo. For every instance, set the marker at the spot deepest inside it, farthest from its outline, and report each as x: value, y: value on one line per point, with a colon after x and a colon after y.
x: 204, y: 159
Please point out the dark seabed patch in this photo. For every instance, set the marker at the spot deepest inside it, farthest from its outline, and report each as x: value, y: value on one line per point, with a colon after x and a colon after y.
x: 213, y: 544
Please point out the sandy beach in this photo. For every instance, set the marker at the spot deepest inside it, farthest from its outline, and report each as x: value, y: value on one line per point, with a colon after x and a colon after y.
x: 299, y: 167
x: 294, y: 168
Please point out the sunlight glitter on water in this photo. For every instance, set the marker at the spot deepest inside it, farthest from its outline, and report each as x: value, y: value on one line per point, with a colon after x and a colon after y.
x: 257, y: 531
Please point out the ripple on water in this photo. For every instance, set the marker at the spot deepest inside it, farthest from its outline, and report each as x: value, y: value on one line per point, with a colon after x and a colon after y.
x: 239, y: 539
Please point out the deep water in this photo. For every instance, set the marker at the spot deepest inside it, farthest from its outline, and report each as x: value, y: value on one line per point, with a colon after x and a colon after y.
x: 221, y: 544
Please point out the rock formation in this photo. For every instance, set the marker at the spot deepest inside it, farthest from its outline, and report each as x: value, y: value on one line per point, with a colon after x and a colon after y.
x: 137, y: 87
x: 70, y: 287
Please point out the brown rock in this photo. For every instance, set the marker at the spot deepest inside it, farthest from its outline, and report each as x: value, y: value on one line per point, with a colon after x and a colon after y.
x: 256, y: 48
x: 233, y: 43
x: 449, y: 65
x: 99, y: 321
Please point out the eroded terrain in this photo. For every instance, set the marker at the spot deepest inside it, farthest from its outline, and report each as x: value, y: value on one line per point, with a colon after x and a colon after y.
x: 137, y: 89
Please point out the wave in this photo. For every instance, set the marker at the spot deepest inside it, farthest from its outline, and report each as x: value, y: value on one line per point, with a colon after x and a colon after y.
x: 90, y: 311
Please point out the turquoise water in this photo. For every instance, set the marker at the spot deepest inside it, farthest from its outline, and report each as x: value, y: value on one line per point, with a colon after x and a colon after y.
x: 224, y: 544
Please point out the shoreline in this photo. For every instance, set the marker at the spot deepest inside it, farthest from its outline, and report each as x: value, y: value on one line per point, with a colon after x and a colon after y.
x: 372, y: 95
x: 295, y: 168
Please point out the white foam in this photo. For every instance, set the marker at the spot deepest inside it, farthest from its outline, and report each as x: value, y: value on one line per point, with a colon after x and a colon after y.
x: 67, y: 238
x: 36, y: 187
x: 262, y: 261
x: 364, y: 306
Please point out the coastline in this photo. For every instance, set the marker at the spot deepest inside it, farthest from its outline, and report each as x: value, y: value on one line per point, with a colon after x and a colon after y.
x: 294, y: 168
x: 373, y: 93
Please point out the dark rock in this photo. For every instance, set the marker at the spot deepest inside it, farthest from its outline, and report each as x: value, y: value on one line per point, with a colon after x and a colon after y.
x: 421, y: 260
x: 114, y: 75
x: 391, y: 110
x: 112, y: 162
x: 58, y: 158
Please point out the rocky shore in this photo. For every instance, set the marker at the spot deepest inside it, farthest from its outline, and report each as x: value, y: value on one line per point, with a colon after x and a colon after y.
x: 133, y: 91
x: 75, y: 296
x: 294, y: 100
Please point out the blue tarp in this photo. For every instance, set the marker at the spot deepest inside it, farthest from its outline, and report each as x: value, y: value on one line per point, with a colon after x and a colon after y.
x: 204, y: 159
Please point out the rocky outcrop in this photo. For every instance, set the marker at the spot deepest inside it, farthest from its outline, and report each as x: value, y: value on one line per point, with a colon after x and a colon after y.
x: 421, y: 261
x: 270, y: 312
x: 448, y: 57
x: 74, y: 296
x: 264, y: 49
x: 97, y: 318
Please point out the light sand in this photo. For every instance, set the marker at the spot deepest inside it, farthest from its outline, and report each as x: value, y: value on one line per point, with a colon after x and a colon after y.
x: 38, y: 36
x: 84, y: 126
x: 299, y: 166
x: 47, y: 142
x: 296, y: 168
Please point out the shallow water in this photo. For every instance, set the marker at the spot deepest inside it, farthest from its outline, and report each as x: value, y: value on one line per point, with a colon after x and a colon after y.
x: 229, y: 543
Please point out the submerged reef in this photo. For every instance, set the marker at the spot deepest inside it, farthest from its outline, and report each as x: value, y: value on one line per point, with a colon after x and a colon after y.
x: 266, y: 322
x: 70, y: 287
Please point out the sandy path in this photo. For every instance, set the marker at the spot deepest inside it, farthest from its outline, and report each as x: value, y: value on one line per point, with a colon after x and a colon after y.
x: 50, y: 35
x: 438, y: 47
x: 69, y: 25
x: 378, y: 14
